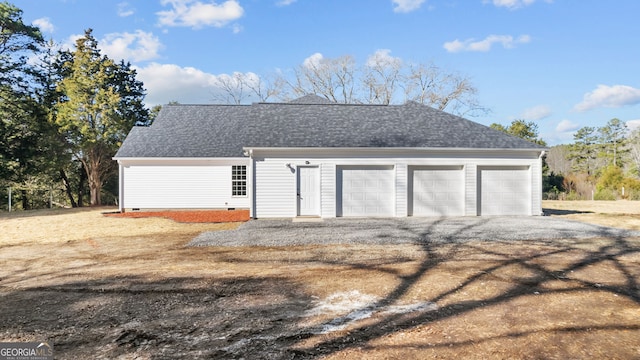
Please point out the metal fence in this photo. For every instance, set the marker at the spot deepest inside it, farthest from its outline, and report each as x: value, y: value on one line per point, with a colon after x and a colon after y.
x: 15, y: 198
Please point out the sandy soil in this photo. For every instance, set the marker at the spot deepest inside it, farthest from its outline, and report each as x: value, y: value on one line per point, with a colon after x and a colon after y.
x: 100, y: 287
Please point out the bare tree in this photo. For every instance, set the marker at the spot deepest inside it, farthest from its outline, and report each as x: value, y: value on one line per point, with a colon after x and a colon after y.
x: 232, y: 89
x: 267, y: 87
x: 559, y: 160
x: 433, y: 86
x: 333, y: 79
x: 381, y: 76
x: 633, y: 146
x: 382, y: 79
x: 239, y: 88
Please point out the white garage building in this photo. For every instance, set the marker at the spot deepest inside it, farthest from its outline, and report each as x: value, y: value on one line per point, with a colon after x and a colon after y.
x: 311, y: 157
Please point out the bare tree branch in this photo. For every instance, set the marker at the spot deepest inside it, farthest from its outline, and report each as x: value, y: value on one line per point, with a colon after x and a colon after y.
x: 383, y: 79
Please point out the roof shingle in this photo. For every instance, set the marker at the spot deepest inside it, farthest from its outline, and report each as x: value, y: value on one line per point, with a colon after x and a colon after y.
x: 223, y: 130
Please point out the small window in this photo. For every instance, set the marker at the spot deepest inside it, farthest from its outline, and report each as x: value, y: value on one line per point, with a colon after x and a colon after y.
x: 239, y: 180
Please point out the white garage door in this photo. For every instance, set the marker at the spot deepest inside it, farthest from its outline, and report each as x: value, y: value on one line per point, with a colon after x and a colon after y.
x: 366, y: 191
x: 437, y: 191
x: 505, y: 191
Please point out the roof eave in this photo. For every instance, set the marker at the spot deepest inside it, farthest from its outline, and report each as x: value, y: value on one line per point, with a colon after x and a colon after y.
x: 395, y: 149
x: 166, y: 158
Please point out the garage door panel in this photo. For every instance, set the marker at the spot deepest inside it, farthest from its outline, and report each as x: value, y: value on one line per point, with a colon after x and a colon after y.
x: 505, y: 191
x: 437, y: 191
x: 371, y: 197
x: 367, y: 191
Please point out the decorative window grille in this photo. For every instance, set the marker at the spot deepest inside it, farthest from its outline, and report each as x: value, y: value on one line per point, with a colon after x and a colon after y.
x: 239, y: 180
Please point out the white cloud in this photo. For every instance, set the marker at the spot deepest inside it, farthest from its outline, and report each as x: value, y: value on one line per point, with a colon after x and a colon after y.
x: 633, y: 124
x: 138, y: 46
x: 513, y: 4
x: 44, y: 24
x: 196, y: 14
x: 124, y: 9
x: 168, y: 82
x: 536, y: 112
x: 507, y: 41
x: 186, y: 85
x: 313, y: 60
x: 70, y: 43
x: 566, y: 126
x: 285, y: 2
x: 237, y: 79
x: 405, y: 6
x: 609, y: 96
x: 383, y: 58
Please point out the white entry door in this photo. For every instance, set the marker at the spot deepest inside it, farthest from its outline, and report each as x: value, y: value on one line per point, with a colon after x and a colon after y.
x: 308, y: 191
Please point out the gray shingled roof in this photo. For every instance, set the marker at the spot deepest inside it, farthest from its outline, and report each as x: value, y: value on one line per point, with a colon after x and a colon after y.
x: 223, y: 130
x: 311, y: 99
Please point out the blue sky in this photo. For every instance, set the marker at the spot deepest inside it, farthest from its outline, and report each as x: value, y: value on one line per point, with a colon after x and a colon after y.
x: 563, y: 64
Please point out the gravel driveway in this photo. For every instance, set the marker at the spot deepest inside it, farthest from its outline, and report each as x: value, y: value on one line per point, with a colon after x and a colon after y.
x: 410, y: 230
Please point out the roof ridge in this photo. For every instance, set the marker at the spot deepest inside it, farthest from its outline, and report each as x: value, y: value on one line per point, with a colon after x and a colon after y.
x: 325, y: 104
x: 212, y: 105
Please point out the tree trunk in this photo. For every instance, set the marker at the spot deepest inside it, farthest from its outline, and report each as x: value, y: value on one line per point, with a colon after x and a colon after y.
x: 67, y: 187
x: 83, y: 178
x: 95, y: 188
x: 25, y: 200
x: 97, y: 163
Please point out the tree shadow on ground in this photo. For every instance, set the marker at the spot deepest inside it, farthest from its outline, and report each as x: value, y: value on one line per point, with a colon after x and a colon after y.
x: 535, y: 275
x: 559, y: 212
x: 164, y: 319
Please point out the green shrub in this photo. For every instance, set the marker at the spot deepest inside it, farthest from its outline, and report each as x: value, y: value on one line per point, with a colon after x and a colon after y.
x: 632, y: 195
x: 605, y: 194
x: 611, y: 179
x: 631, y: 189
x: 573, y: 195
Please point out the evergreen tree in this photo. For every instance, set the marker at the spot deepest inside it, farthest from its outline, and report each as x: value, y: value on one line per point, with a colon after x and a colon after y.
x: 131, y: 109
x: 62, y: 166
x: 21, y: 153
x: 613, y: 138
x: 584, y: 149
x: 18, y: 41
x: 527, y: 130
x: 101, y: 102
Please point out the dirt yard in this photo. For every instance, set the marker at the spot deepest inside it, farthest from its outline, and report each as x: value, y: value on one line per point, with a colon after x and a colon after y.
x: 621, y: 214
x: 122, y: 288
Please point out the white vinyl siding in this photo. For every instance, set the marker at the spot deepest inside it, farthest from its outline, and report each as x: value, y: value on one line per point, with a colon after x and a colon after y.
x: 536, y: 187
x: 402, y: 184
x: 505, y: 191
x: 471, y: 190
x: 179, y: 187
x: 437, y: 191
x: 328, y: 190
x: 366, y: 191
x: 272, y: 180
x: 275, y: 189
